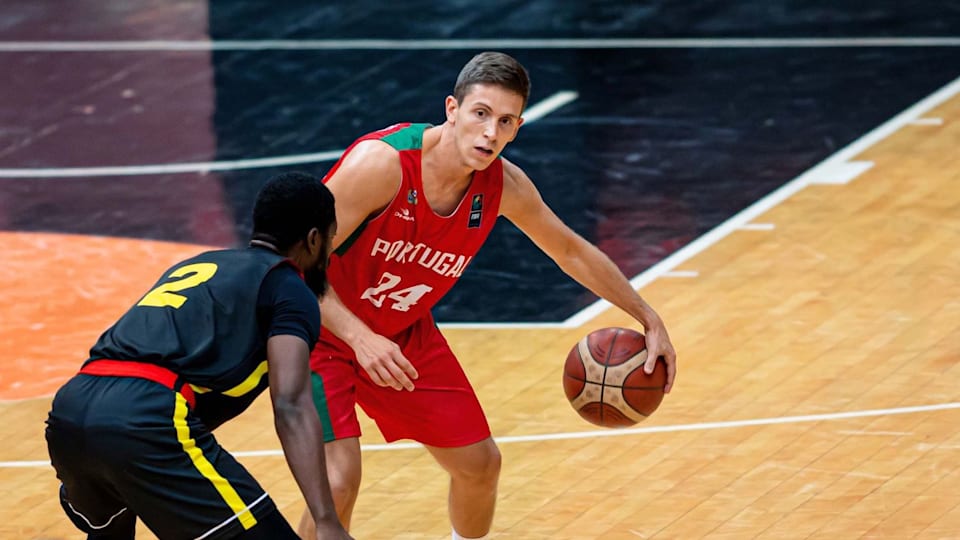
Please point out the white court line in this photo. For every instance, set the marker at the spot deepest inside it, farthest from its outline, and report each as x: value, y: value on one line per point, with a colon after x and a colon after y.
x: 453, y: 44
x: 757, y: 227
x: 170, y: 168
x: 547, y: 106
x: 927, y: 122
x: 840, y: 172
x: 532, y: 114
x: 702, y: 426
x: 682, y: 274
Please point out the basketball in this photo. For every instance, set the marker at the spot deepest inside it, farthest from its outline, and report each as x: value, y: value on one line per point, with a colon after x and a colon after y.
x: 604, y: 380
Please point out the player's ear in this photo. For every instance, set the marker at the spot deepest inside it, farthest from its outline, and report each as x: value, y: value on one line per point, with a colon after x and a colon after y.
x: 314, y: 241
x: 451, y: 106
x: 516, y: 129
x: 326, y: 244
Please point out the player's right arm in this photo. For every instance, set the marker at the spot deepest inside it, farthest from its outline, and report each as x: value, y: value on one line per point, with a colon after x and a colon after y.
x: 363, y: 184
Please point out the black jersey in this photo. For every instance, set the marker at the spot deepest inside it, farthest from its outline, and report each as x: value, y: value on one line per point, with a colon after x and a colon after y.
x: 131, y: 434
x: 208, y: 320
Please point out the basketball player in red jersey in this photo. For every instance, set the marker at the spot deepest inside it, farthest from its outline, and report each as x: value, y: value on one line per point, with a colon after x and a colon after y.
x: 414, y: 204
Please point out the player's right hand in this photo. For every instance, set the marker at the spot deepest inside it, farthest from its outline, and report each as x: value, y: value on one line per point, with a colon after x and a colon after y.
x: 384, y: 362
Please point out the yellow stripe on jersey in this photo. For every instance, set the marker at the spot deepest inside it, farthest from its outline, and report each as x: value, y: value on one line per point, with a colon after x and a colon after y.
x: 249, y: 383
x: 203, y: 465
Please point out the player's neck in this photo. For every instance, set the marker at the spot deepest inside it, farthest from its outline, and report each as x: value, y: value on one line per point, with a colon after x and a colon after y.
x: 440, y: 157
x: 444, y: 182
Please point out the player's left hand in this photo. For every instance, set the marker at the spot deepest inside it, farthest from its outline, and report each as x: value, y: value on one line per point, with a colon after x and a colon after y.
x: 659, y: 346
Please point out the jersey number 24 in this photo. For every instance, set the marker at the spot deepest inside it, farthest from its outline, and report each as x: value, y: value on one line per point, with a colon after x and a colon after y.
x: 387, y: 288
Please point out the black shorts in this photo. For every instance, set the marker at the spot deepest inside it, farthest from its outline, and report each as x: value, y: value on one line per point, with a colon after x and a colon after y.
x: 124, y: 445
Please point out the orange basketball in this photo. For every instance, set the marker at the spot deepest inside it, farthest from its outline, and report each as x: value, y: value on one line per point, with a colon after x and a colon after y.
x: 604, y: 380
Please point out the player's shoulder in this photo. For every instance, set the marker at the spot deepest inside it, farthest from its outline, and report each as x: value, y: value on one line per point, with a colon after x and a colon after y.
x: 370, y: 165
x: 283, y: 283
x: 372, y: 154
x: 520, y: 196
x: 513, y: 176
x: 510, y: 167
x: 291, y: 303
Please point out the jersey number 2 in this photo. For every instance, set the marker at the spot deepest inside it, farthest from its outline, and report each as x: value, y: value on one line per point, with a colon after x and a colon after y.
x: 191, y: 275
x: 386, y: 288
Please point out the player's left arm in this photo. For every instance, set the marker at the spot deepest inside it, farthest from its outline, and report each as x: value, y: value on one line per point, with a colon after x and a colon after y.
x: 293, y: 330
x: 299, y: 429
x: 584, y: 262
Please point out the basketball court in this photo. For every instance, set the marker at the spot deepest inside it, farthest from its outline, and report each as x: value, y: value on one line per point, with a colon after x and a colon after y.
x: 781, y: 185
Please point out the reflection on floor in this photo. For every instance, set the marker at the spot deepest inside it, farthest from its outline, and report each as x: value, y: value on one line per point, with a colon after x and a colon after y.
x: 661, y: 145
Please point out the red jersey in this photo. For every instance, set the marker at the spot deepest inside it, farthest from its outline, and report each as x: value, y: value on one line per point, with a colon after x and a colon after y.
x: 397, y: 265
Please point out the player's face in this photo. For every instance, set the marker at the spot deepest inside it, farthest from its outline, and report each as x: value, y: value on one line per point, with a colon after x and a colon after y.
x: 486, y: 120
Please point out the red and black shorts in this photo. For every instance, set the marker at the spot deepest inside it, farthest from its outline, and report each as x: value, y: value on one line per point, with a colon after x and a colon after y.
x: 127, y: 446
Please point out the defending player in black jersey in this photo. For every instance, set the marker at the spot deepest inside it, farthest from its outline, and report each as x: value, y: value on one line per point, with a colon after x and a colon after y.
x: 130, y: 434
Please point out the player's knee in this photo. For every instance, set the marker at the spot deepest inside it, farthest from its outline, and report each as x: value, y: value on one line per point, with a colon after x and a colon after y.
x: 483, y: 465
x: 493, y: 463
x: 344, y: 468
x: 344, y: 485
x: 344, y: 492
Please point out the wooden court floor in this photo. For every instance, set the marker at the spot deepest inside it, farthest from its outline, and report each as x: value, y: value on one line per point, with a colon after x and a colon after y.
x: 818, y: 395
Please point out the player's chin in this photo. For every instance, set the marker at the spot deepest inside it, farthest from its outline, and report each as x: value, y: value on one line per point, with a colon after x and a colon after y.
x: 479, y: 164
x: 480, y: 158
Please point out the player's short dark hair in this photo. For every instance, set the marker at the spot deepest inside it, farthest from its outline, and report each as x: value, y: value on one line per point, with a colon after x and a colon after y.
x: 493, y: 68
x: 288, y: 206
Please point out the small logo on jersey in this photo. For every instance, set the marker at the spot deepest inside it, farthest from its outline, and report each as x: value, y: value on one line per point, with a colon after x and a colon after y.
x: 412, y: 196
x: 476, y: 211
x: 404, y: 214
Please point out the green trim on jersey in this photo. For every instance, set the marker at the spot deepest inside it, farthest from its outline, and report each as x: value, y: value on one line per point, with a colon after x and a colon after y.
x: 351, y: 239
x: 408, y: 138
